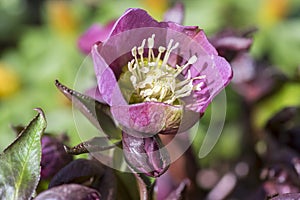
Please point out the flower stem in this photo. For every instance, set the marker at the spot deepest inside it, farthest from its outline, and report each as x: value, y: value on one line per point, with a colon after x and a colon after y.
x: 146, y: 185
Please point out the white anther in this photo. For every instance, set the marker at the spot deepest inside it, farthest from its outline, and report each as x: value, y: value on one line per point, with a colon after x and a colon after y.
x: 133, y: 51
x: 199, y: 77
x: 161, y: 49
x: 141, y: 51
x: 170, y: 44
x: 169, y: 50
x: 198, y: 87
x: 192, y: 59
x: 150, y: 46
x: 175, y: 46
x: 151, y: 41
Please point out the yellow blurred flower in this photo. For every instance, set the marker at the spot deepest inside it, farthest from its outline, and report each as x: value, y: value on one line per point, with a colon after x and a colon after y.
x: 61, y: 17
x: 9, y: 81
x: 156, y: 8
x: 272, y: 11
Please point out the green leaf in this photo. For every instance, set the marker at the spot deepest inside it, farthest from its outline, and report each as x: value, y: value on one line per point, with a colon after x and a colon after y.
x: 20, y: 162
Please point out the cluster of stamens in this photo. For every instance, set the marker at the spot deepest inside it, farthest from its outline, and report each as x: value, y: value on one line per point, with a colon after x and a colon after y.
x: 154, y: 80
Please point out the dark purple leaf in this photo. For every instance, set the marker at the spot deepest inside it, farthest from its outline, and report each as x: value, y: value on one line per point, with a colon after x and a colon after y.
x: 91, y: 173
x: 229, y: 43
x: 280, y: 118
x: 54, y: 156
x: 70, y: 191
x: 294, y: 196
x: 78, y: 171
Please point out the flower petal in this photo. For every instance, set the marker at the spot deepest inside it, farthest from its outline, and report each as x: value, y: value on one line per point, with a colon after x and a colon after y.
x: 148, y: 117
x: 218, y: 74
x: 154, y: 117
x: 175, y: 14
x: 95, y: 94
x: 94, y: 34
x: 107, y: 83
x: 135, y: 18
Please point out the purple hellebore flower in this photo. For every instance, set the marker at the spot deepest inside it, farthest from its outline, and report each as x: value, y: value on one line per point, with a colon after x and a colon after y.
x: 152, y: 78
x: 151, y: 87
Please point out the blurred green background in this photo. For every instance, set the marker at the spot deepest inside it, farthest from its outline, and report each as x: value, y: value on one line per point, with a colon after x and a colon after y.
x: 38, y: 44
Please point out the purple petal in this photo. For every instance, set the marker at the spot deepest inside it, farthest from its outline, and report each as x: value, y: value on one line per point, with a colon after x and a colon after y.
x: 175, y: 14
x: 95, y: 94
x: 206, y: 45
x: 107, y: 83
x: 154, y: 117
x: 216, y: 69
x: 135, y: 18
x: 218, y: 75
x: 147, y: 117
x: 94, y: 34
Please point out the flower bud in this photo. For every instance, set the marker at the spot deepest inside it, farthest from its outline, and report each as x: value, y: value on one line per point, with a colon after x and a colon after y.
x: 146, y: 155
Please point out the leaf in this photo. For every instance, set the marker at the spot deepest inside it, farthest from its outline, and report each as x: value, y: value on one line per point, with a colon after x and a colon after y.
x: 20, y: 162
x: 289, y: 196
x: 98, y: 113
x: 93, y: 145
x: 69, y: 191
x: 84, y: 171
x: 78, y: 171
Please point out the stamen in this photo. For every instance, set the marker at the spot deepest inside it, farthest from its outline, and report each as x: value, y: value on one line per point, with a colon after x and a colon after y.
x: 199, y: 77
x: 154, y: 80
x: 161, y: 50
x: 133, y: 52
x: 169, y: 50
x: 141, y: 51
x: 184, y: 82
x: 150, y: 46
x: 191, y: 61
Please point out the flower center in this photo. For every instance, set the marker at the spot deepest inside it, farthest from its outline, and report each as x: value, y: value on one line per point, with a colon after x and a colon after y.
x: 154, y: 80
